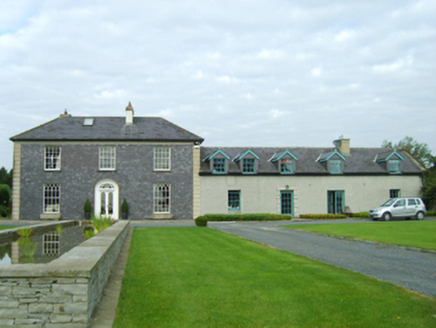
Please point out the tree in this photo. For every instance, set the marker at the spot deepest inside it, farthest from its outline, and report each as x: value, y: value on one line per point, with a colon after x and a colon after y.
x: 419, y: 151
x: 429, y: 188
x: 422, y: 153
x: 5, y: 177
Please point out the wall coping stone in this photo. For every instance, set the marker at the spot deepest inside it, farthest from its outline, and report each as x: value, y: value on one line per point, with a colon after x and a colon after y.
x: 67, y: 265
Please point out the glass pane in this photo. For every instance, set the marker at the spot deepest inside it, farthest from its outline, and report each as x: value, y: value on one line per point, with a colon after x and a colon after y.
x: 103, y: 203
x: 110, y: 209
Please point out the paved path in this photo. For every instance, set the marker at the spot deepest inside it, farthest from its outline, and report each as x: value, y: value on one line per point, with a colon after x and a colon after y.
x: 412, y: 269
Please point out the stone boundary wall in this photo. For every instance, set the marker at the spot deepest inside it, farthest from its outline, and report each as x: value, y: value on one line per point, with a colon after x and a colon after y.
x: 65, y: 292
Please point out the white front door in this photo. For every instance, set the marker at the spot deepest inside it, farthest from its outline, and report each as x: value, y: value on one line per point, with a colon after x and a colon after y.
x: 106, y: 199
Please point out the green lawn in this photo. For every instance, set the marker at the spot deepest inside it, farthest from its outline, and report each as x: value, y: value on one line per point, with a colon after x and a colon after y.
x: 200, y: 277
x: 7, y: 227
x: 420, y: 234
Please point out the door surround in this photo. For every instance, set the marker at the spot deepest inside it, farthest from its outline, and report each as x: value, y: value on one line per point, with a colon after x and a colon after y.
x: 110, y: 190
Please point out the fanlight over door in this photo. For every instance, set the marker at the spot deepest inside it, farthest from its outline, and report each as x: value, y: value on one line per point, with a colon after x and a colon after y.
x: 107, y: 199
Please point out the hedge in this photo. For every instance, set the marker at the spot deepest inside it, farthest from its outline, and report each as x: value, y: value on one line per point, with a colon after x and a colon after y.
x: 323, y: 216
x: 201, y: 221
x: 431, y: 213
x: 360, y: 215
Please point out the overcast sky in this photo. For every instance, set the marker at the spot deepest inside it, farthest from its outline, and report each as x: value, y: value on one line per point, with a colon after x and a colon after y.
x: 237, y: 73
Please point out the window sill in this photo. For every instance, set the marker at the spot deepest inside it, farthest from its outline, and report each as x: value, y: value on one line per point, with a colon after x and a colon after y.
x: 162, y: 216
x: 50, y: 216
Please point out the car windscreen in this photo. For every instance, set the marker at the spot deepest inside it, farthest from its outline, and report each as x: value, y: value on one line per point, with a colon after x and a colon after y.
x: 389, y: 202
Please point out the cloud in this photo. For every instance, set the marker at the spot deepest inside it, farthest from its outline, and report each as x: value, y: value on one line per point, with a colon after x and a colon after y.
x: 344, y: 35
x: 212, y: 66
x: 396, y: 65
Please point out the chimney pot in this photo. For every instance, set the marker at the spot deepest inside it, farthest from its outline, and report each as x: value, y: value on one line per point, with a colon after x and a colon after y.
x: 129, y: 114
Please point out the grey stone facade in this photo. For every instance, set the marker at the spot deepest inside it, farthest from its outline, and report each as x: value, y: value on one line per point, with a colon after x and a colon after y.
x: 80, y: 173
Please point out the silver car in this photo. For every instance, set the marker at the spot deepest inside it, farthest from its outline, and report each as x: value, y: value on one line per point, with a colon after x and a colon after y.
x: 399, y: 208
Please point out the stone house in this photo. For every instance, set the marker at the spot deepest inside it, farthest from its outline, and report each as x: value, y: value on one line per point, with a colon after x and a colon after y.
x: 164, y: 173
x: 148, y: 161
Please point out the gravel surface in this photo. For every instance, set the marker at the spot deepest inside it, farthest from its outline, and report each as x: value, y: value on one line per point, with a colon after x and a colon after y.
x: 412, y: 269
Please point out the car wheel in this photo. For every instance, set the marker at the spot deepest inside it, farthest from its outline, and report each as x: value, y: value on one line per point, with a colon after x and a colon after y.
x: 375, y: 219
x: 387, y: 216
x: 420, y: 216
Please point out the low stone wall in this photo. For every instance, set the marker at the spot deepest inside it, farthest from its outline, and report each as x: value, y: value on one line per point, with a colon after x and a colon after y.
x: 65, y: 292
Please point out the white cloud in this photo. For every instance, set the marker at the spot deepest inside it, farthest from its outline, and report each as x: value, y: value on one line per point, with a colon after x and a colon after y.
x: 316, y: 72
x: 275, y: 113
x: 270, y: 54
x: 396, y: 65
x: 226, y: 79
x: 344, y: 35
x: 211, y: 66
x: 199, y: 75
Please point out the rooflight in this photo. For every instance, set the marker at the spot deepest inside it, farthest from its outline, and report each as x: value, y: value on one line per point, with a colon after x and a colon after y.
x: 88, y: 121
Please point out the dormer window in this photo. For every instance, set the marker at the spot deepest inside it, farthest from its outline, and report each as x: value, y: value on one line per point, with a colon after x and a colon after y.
x: 247, y: 162
x: 392, y: 160
x: 335, y: 166
x: 394, y: 166
x: 334, y: 160
x: 248, y: 166
x: 285, y: 162
x: 219, y: 165
x: 218, y: 162
x: 286, y: 166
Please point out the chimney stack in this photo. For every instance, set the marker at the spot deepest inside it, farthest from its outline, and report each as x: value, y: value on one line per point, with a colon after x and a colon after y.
x: 129, y: 114
x: 344, y: 147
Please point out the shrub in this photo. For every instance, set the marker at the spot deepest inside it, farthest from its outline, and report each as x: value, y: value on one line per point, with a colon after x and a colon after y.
x: 201, y: 221
x: 124, y: 206
x: 87, y: 208
x: 4, y: 211
x: 431, y: 213
x: 359, y: 215
x: 25, y: 232
x: 322, y: 216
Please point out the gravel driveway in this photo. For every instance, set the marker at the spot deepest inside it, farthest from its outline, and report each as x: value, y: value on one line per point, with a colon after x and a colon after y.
x: 412, y: 269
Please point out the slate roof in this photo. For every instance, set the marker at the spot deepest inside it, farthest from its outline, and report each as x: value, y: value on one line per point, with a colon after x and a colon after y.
x: 360, y: 161
x: 69, y: 128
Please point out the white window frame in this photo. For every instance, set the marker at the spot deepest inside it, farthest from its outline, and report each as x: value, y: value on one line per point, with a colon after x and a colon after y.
x: 51, y: 200
x: 51, y: 243
x: 52, y: 158
x: 107, y: 158
x: 162, y: 158
x: 161, y: 202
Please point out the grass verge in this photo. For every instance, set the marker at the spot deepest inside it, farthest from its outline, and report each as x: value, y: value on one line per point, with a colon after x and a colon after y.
x: 192, y: 277
x: 418, y: 234
x: 7, y: 227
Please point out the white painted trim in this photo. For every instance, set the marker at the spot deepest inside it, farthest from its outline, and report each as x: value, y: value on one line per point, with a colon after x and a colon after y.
x: 116, y: 198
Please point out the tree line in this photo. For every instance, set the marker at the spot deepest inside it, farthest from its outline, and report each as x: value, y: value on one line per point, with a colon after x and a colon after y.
x: 5, y: 192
